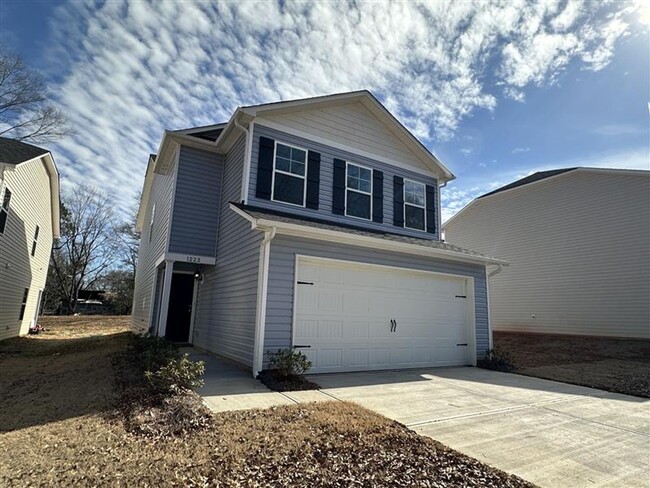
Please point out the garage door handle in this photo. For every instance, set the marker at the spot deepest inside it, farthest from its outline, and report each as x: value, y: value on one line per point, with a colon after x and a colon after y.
x: 462, y: 344
x: 299, y: 347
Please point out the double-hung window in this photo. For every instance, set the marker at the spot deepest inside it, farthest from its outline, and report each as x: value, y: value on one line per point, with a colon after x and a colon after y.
x: 35, y: 241
x: 153, y: 215
x: 358, y: 191
x: 414, y: 205
x: 289, y: 169
x: 4, y: 210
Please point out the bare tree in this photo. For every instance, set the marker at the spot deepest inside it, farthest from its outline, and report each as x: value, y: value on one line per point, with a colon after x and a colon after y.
x: 88, y: 244
x: 25, y: 112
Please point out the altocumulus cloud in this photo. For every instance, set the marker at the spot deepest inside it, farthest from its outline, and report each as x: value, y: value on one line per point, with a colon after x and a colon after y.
x: 127, y: 70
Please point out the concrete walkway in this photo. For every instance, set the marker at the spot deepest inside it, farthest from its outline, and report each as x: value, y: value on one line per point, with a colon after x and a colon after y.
x: 552, y: 434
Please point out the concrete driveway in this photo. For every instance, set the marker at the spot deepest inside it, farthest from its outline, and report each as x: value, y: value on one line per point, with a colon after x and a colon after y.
x: 549, y: 433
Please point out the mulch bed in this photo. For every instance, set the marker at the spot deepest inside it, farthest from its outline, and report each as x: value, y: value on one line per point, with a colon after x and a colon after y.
x: 616, y: 365
x: 292, y: 383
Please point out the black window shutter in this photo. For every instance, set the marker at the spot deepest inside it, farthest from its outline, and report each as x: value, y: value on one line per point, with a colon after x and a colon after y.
x: 313, y: 179
x: 431, y: 209
x: 398, y: 201
x: 338, y: 191
x: 265, y: 168
x: 377, y: 196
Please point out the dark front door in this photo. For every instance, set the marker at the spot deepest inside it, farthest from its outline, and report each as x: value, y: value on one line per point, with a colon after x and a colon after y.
x: 180, y: 308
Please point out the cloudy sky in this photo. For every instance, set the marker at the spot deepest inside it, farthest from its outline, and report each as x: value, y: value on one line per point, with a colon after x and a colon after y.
x: 496, y: 90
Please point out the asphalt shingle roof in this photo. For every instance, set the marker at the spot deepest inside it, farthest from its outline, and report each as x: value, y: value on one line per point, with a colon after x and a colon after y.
x: 16, y: 152
x: 262, y: 213
x: 540, y: 175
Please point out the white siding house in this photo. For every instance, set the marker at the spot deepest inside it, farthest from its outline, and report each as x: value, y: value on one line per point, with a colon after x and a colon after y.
x: 29, y: 220
x: 578, y: 243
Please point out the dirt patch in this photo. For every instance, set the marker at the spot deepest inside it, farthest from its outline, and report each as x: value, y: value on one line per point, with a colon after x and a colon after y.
x: 292, y: 383
x: 86, y: 443
x: 616, y: 365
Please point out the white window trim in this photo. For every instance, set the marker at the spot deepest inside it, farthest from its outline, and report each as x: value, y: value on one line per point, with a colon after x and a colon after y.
x: 2, y: 209
x: 304, y: 177
x: 424, y: 207
x: 372, y: 188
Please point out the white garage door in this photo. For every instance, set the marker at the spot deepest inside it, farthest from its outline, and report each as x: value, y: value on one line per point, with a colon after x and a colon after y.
x: 355, y: 317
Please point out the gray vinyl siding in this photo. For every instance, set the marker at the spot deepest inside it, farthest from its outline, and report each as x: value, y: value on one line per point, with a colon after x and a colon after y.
x: 324, y: 211
x: 30, y: 206
x: 279, y: 307
x: 579, y: 251
x: 227, y: 297
x: 162, y: 190
x: 196, y: 203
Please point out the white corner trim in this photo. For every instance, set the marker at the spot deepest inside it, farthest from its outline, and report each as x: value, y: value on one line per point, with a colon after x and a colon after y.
x: 248, y: 152
x: 262, y: 290
x: 164, y: 302
x: 195, y: 294
x: 170, y: 220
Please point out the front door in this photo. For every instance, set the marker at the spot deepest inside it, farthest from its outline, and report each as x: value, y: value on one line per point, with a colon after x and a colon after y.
x: 180, y: 308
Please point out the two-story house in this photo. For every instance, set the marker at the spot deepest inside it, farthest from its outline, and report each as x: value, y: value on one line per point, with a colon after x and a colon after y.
x: 29, y: 221
x: 312, y: 224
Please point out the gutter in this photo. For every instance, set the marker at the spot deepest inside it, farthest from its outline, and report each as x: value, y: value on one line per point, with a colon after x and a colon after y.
x: 262, y: 289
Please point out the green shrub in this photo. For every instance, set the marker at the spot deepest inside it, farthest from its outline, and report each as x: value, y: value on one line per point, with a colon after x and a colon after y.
x: 287, y: 362
x: 498, y: 359
x: 179, y: 374
x: 153, y: 352
x: 166, y: 370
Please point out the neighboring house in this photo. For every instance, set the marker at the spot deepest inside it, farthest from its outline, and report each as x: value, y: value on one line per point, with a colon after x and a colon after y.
x: 311, y: 224
x: 29, y: 220
x: 578, y: 243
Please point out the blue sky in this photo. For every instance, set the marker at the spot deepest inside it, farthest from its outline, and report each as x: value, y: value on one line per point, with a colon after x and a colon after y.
x: 495, y: 90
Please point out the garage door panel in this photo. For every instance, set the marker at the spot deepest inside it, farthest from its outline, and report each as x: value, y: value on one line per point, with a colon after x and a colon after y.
x: 345, y: 316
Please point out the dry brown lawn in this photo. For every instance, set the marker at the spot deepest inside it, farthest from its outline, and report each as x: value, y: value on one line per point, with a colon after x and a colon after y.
x: 617, y: 365
x: 60, y: 425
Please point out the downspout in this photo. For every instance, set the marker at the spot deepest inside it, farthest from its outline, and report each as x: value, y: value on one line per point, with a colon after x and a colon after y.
x: 262, y: 288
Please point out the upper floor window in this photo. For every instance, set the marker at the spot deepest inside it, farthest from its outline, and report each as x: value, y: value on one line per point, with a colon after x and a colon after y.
x: 414, y: 205
x: 289, y: 171
x: 4, y: 210
x: 153, y: 214
x: 35, y: 241
x: 358, y: 191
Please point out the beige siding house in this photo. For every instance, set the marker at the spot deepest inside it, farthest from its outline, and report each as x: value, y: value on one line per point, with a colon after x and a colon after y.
x: 29, y: 220
x: 578, y: 243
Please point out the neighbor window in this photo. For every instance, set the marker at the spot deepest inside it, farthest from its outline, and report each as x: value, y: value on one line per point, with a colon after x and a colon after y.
x: 289, y: 169
x: 4, y: 210
x: 35, y: 242
x: 23, y: 304
x: 414, y: 205
x: 358, y: 191
x: 153, y: 214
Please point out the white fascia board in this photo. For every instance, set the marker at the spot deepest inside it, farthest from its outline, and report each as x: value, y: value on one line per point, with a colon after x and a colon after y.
x: 284, y: 228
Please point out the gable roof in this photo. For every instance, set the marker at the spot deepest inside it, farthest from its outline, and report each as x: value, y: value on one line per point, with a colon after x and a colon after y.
x: 14, y: 153
x: 526, y: 182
